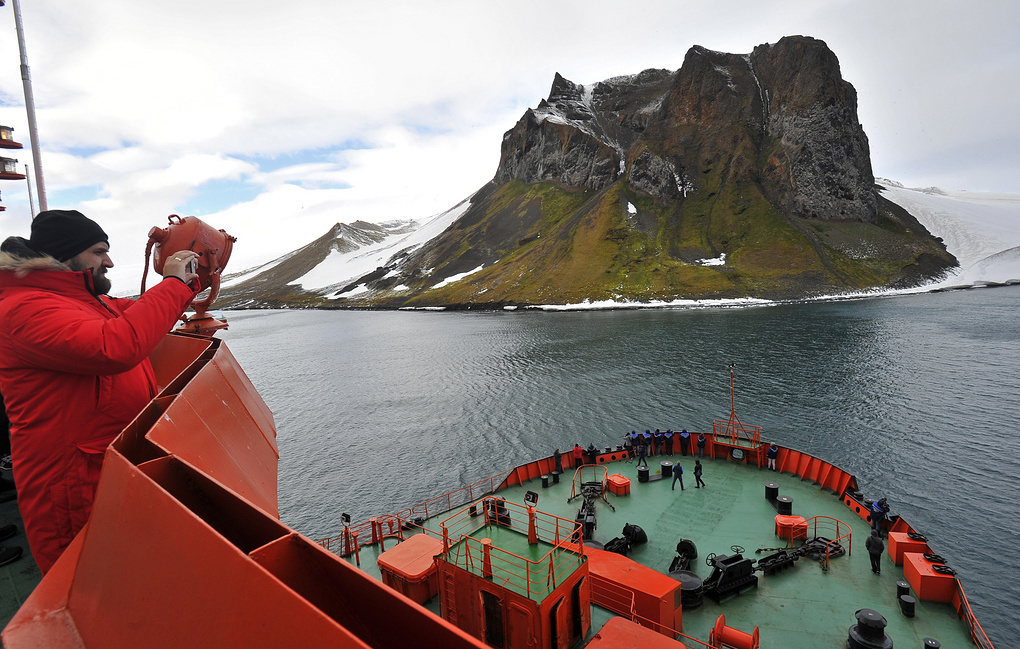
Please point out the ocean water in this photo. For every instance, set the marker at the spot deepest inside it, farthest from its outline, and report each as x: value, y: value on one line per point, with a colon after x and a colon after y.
x: 918, y: 396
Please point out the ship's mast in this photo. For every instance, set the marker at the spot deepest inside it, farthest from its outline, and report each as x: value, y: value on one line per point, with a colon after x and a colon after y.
x: 33, y: 131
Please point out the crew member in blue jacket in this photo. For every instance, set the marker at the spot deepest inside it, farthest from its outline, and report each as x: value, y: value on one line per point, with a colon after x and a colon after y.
x: 678, y: 474
x: 878, y: 511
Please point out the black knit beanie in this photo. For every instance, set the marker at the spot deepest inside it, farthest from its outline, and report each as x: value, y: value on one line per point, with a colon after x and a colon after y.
x: 62, y: 234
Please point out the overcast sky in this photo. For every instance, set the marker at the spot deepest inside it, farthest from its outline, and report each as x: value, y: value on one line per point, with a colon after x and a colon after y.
x: 275, y: 120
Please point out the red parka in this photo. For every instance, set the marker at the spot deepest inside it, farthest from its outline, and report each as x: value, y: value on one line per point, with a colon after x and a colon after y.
x: 74, y: 371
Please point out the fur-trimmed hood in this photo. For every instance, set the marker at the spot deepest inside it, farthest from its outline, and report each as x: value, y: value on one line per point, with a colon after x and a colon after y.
x: 16, y: 256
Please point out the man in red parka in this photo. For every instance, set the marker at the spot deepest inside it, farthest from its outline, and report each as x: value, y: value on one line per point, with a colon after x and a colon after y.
x: 74, y: 367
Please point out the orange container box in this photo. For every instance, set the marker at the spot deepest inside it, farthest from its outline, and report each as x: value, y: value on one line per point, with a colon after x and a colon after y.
x: 929, y: 585
x: 791, y: 527
x: 900, y: 544
x: 409, y: 567
x: 619, y: 484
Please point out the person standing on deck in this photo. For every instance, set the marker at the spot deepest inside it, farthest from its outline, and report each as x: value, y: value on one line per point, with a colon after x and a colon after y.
x: 74, y: 368
x: 669, y: 441
x: 578, y: 455
x: 678, y: 474
x: 685, y: 441
x: 771, y: 455
x: 875, y: 549
x: 878, y: 511
x: 642, y: 450
x: 701, y: 444
x: 697, y: 475
x: 557, y: 461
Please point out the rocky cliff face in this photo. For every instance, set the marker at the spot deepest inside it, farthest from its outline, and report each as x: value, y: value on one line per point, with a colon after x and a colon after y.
x: 781, y: 116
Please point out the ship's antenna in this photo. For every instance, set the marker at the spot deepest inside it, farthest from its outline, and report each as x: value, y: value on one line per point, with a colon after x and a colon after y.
x: 33, y: 130
x: 735, y: 424
x: 31, y: 202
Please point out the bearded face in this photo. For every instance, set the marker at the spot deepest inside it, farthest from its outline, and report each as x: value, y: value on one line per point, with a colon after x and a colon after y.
x: 97, y: 259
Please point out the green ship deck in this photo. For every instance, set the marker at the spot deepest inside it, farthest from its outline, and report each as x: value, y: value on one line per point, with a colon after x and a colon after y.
x: 801, y: 606
x: 19, y: 578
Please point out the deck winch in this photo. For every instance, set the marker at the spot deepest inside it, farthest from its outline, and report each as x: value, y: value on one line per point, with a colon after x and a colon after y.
x: 818, y: 548
x: 632, y: 535
x: 686, y: 552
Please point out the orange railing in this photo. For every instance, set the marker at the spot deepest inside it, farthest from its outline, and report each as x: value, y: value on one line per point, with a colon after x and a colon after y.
x: 977, y: 634
x: 379, y: 528
x: 529, y: 577
x: 733, y: 432
x: 839, y: 532
x: 595, y: 470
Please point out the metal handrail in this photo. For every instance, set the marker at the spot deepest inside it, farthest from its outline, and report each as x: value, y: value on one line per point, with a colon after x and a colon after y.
x: 977, y: 634
x: 424, y: 510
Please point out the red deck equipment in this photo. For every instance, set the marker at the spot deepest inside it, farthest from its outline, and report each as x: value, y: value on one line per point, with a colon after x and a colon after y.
x: 900, y: 543
x: 791, y: 527
x: 624, y: 586
x: 410, y: 567
x: 727, y: 636
x: 930, y: 585
x: 619, y: 485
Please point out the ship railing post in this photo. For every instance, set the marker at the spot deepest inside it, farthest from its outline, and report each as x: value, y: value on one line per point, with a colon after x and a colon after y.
x: 487, y: 558
x: 532, y: 532
x: 552, y: 573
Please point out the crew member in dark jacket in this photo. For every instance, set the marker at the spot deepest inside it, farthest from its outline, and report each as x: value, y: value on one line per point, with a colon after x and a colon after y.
x: 678, y: 474
x: 875, y: 549
x: 685, y: 441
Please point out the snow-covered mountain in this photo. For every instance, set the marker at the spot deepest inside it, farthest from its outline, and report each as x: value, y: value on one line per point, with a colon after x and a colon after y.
x: 335, y: 264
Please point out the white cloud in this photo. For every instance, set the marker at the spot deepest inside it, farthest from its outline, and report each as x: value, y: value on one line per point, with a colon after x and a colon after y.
x: 315, y: 112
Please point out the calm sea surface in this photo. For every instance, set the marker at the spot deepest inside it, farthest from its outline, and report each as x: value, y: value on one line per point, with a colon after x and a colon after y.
x: 918, y: 396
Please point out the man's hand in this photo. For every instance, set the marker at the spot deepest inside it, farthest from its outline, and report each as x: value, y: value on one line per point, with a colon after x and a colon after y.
x: 177, y: 266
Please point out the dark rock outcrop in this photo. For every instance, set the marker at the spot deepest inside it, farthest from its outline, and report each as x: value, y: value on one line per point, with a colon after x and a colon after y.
x: 782, y: 116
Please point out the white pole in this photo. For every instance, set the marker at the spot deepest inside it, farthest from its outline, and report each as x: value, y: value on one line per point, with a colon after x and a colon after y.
x: 33, y: 131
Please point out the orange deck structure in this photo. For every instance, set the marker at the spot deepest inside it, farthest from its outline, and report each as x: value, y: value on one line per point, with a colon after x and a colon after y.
x: 626, y: 587
x: 410, y: 567
x: 929, y: 585
x: 621, y: 633
x: 900, y: 543
x: 184, y: 547
x: 527, y: 590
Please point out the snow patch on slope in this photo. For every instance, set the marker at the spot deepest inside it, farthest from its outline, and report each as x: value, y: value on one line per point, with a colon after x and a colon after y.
x: 342, y: 268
